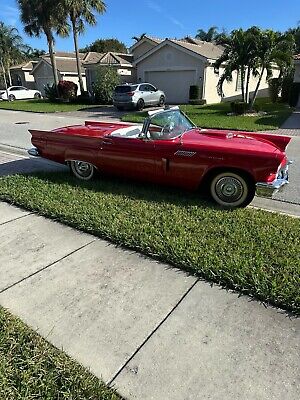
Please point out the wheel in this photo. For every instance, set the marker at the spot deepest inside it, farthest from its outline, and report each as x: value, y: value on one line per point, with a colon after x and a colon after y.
x: 161, y: 101
x: 140, y: 105
x: 82, y: 170
x: 230, y: 189
x: 37, y: 96
x: 11, y: 97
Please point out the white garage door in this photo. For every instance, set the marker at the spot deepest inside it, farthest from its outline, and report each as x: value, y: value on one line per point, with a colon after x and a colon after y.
x: 175, y: 84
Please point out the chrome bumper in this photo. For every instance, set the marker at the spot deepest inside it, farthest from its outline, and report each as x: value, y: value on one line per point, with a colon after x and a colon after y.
x: 34, y: 152
x: 267, y: 190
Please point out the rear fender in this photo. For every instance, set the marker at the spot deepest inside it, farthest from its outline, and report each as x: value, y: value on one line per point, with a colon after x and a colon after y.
x: 281, y: 142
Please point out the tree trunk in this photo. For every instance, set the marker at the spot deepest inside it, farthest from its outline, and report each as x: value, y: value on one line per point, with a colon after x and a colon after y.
x: 9, y: 76
x: 256, y: 89
x: 243, y: 81
x: 75, y: 37
x: 4, y: 76
x: 247, y: 85
x: 52, y: 58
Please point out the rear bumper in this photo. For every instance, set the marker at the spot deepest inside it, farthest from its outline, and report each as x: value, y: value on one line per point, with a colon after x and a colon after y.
x: 265, y: 189
x: 34, y: 152
x: 124, y: 104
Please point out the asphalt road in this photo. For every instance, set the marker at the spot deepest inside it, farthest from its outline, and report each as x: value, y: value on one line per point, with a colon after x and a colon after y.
x: 14, y: 127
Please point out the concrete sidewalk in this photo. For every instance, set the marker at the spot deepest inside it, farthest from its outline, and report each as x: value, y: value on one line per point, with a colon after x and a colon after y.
x: 146, y: 328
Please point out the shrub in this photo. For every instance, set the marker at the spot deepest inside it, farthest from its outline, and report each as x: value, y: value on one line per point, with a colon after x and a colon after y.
x: 51, y: 92
x: 198, y: 102
x: 67, y: 90
x: 107, y: 79
x: 239, y: 107
x: 274, y: 89
x: 294, y: 94
x: 194, y: 92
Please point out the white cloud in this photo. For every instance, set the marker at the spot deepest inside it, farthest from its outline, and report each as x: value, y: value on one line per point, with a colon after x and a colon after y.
x: 155, y: 7
x: 176, y: 22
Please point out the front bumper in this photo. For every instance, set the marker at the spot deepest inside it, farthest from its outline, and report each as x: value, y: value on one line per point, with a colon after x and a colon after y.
x: 265, y: 189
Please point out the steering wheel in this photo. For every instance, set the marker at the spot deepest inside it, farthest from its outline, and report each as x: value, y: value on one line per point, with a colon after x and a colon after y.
x: 167, y: 129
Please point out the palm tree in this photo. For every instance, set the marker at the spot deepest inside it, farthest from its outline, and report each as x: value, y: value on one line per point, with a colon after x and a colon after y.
x: 12, y: 48
x: 44, y: 16
x: 272, y: 48
x: 239, y: 50
x: 138, y: 38
x: 209, y: 36
x: 254, y: 52
x: 81, y: 12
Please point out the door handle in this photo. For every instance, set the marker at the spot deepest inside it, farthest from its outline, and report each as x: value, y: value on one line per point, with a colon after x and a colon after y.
x: 106, y: 141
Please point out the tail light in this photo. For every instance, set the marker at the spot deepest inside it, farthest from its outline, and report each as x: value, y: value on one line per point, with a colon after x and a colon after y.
x: 130, y: 94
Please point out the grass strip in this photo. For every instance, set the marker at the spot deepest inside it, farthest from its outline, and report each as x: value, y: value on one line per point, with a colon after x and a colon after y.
x: 252, y: 251
x: 31, y: 368
x: 43, y: 106
x: 215, y: 116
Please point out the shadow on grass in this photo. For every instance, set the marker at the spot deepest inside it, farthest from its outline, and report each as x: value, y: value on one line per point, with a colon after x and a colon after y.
x: 132, y: 189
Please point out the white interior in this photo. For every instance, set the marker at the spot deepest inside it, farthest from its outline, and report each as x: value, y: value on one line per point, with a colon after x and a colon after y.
x: 130, y: 132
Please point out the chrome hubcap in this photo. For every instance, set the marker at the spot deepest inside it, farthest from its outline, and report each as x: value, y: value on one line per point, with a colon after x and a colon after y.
x: 83, y: 168
x: 229, y: 189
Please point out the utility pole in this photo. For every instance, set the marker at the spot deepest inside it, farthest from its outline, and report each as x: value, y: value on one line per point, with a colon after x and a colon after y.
x: 4, y: 76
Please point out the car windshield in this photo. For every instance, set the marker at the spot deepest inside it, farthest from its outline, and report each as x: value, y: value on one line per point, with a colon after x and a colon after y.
x: 125, y: 88
x: 168, y: 125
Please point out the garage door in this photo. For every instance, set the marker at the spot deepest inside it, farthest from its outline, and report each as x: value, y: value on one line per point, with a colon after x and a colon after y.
x: 175, y: 84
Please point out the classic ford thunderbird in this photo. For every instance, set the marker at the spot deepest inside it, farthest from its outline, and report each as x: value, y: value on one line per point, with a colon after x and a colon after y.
x: 169, y: 149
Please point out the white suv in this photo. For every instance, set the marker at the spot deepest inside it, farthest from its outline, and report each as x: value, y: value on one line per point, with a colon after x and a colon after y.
x: 137, y: 96
x: 19, y: 93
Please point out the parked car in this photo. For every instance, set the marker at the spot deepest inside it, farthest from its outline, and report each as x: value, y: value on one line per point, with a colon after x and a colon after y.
x: 19, y: 93
x: 169, y: 149
x: 137, y: 96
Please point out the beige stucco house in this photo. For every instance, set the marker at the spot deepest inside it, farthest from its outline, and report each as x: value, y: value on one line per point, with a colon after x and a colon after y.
x: 66, y: 68
x: 121, y: 62
x: 174, y: 65
x: 20, y: 74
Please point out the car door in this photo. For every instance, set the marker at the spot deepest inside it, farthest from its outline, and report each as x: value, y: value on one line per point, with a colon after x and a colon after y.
x: 153, y: 95
x: 129, y: 157
x: 145, y: 94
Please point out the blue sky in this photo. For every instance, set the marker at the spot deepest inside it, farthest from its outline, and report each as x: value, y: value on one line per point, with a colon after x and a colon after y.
x: 165, y: 18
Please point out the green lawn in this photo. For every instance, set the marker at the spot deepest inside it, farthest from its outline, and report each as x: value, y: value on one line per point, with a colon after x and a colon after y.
x: 252, y: 251
x: 42, y: 106
x: 32, y: 369
x: 215, y: 116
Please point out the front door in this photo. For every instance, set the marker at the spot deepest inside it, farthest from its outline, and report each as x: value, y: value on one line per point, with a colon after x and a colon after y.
x: 129, y: 157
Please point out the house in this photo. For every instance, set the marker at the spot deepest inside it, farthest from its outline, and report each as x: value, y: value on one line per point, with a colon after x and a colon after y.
x: 66, y: 69
x: 174, y: 65
x: 121, y: 62
x: 20, y: 74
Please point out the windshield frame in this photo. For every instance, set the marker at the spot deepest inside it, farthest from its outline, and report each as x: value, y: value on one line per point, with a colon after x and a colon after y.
x: 169, y: 136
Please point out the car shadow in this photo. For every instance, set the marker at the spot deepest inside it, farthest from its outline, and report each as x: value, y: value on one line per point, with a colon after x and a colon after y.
x: 137, y: 190
x: 28, y: 166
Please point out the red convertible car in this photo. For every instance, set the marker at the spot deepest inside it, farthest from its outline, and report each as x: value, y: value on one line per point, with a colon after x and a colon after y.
x: 169, y: 149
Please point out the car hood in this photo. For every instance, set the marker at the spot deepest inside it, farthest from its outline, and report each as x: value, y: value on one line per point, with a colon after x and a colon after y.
x: 242, y: 140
